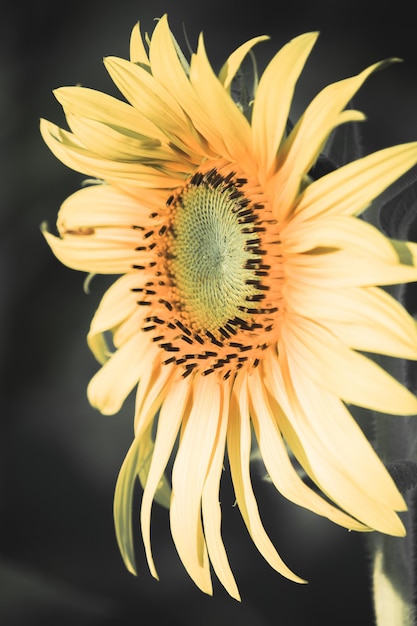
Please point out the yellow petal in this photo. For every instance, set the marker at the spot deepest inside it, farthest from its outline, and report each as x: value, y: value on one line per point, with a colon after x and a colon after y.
x: 146, y: 94
x: 338, y: 231
x: 122, y: 506
x: 152, y: 388
x: 191, y: 465
x: 211, y: 505
x: 273, y: 98
x: 333, y: 366
x: 228, y: 121
x: 168, y: 70
x: 162, y: 492
x: 130, y: 326
x: 391, y: 262
x: 238, y: 447
x: 275, y: 456
x: 68, y: 149
x: 349, y: 189
x: 94, y: 105
x: 102, y: 206
x: 308, y: 137
x: 329, y: 444
x: 235, y: 60
x: 111, y: 385
x: 118, y: 144
x: 111, y: 252
x: 169, y: 420
x: 137, y: 49
x: 366, y: 319
x: 118, y: 303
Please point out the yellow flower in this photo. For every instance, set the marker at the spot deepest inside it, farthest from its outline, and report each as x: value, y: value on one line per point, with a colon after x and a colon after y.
x: 248, y: 292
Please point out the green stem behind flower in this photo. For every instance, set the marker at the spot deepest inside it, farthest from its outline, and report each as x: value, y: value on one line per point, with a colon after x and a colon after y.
x: 393, y: 558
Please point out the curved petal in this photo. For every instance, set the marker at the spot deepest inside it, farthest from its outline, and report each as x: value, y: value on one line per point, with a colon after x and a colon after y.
x: 122, y: 506
x: 147, y: 95
x: 102, y: 206
x: 111, y: 385
x: 118, y: 303
x: 95, y: 105
x: 169, y: 421
x: 239, y: 446
x: 394, y: 262
x: 74, y: 155
x: 308, y: 137
x: 366, y: 319
x: 329, y: 444
x: 168, y: 70
x: 130, y: 326
x: 137, y: 49
x: 211, y: 505
x: 118, y: 144
x: 338, y: 232
x: 274, y: 96
x: 349, y: 189
x: 234, y: 61
x: 275, y: 455
x: 232, y: 128
x: 197, y: 445
x: 152, y: 388
x: 110, y: 252
x: 324, y: 358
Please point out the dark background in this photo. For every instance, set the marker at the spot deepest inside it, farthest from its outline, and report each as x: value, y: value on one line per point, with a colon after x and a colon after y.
x: 59, y: 563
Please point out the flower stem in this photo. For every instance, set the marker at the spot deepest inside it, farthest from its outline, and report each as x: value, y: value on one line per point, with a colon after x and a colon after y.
x: 393, y: 558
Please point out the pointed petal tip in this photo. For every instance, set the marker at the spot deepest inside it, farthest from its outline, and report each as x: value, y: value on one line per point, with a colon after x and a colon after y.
x: 397, y: 529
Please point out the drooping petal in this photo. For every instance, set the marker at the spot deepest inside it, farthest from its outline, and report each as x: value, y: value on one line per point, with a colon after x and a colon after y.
x: 239, y: 447
x: 152, y: 388
x: 134, y: 466
x: 275, y: 456
x: 171, y: 414
x: 130, y: 326
x: 111, y: 385
x: 324, y: 358
x: 162, y: 492
x: 198, y: 439
x: 117, y: 304
x: 211, y: 505
x: 329, y: 444
x: 274, y: 97
x: 122, y: 506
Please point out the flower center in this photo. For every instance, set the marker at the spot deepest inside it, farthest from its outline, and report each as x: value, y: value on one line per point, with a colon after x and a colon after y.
x: 214, y: 273
x: 210, y: 250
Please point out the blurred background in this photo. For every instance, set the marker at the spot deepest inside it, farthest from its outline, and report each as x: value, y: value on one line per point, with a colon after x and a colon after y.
x: 59, y: 458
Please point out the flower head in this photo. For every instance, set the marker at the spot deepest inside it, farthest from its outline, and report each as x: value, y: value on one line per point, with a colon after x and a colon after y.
x: 249, y: 291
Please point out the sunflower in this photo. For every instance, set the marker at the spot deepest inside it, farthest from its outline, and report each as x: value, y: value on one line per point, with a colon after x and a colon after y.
x: 249, y: 291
